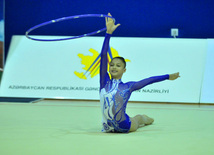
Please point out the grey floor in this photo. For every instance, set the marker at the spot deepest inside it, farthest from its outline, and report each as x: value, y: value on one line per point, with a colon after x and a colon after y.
x: 59, y: 127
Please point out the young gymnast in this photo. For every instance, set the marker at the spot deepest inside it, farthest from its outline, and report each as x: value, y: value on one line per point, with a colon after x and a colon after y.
x: 114, y: 94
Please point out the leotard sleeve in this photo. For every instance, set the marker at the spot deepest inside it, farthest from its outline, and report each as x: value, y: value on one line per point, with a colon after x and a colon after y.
x: 148, y: 81
x: 104, y: 77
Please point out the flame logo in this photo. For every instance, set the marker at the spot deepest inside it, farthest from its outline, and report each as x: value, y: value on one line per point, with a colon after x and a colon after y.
x: 92, y: 63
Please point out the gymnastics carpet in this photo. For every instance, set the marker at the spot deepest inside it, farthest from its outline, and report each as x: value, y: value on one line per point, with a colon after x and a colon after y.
x: 65, y: 127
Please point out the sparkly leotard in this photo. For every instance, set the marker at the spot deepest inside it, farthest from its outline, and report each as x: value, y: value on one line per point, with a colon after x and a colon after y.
x: 114, y: 95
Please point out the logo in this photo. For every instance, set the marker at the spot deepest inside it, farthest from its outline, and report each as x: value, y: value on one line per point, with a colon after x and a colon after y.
x: 92, y: 63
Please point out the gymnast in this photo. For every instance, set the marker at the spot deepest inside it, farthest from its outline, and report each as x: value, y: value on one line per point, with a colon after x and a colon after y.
x: 114, y: 94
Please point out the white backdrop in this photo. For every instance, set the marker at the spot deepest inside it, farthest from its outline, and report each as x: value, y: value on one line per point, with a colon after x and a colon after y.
x: 207, y: 94
x: 46, y: 69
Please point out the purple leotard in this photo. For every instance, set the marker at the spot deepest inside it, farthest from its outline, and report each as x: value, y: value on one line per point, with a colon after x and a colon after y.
x: 114, y: 95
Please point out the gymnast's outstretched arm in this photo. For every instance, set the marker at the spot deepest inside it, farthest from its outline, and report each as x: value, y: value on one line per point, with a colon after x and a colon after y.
x: 154, y: 79
x: 111, y: 27
x: 104, y: 77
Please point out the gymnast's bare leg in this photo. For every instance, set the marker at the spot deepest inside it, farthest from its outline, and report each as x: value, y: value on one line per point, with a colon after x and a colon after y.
x: 139, y: 121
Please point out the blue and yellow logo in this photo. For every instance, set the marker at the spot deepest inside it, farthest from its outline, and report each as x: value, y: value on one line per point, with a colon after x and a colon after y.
x: 92, y: 63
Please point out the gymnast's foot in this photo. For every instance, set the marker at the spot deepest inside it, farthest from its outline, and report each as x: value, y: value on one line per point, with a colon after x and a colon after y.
x: 147, y: 120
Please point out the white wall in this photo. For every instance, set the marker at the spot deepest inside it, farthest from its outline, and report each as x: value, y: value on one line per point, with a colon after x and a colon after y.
x: 207, y: 94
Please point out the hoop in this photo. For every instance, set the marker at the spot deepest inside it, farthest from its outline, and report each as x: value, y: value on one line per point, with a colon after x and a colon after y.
x: 63, y: 19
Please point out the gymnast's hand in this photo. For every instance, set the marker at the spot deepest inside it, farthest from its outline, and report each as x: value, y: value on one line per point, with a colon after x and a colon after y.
x: 110, y: 25
x: 174, y: 76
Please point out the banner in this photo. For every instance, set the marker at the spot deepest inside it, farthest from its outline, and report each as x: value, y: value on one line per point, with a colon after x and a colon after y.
x: 70, y: 69
x: 207, y: 95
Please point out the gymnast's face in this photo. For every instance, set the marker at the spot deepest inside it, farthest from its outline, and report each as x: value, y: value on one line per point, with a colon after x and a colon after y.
x: 117, y: 68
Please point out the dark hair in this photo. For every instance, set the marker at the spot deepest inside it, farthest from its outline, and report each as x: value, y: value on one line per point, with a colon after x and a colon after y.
x: 122, y: 59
